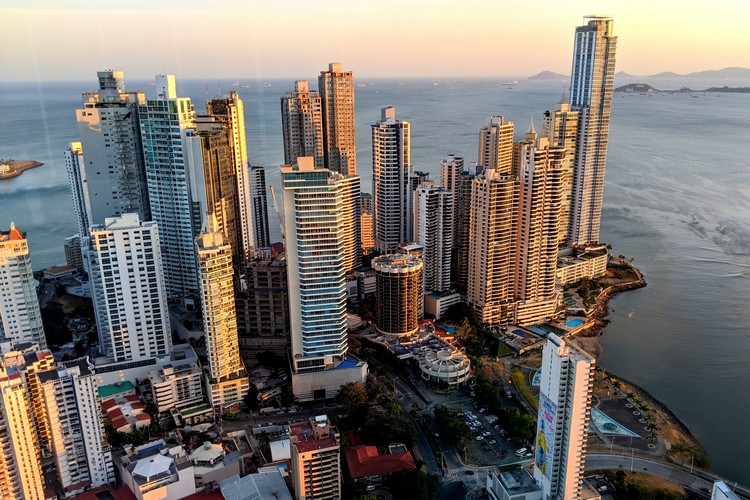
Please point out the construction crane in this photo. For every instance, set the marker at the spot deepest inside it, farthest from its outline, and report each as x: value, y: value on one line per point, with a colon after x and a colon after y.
x: 279, y: 214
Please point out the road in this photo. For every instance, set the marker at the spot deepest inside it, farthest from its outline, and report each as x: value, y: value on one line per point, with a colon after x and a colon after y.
x: 697, y: 480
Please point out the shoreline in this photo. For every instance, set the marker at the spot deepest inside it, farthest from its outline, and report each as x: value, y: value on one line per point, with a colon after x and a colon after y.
x: 588, y: 338
x: 17, y: 167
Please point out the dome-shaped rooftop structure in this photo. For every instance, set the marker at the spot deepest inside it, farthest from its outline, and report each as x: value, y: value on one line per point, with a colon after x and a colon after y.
x: 446, y: 367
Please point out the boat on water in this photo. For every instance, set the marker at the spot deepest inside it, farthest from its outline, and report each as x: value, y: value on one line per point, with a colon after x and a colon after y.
x: 236, y: 84
x: 510, y: 83
x: 244, y: 86
x: 266, y: 85
x: 361, y: 85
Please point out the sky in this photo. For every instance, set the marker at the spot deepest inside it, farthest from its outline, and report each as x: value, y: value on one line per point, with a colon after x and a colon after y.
x: 71, y: 39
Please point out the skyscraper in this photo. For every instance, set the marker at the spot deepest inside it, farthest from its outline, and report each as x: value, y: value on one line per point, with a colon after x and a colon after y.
x: 562, y: 425
x: 560, y: 127
x: 592, y: 82
x: 336, y: 88
x: 302, y: 124
x: 175, y: 182
x: 20, y: 317
x: 391, y: 179
x: 496, y: 145
x: 230, y: 110
x: 540, y: 170
x: 492, y: 246
x: 128, y: 289
x: 462, y: 231
x: 316, y: 227
x: 81, y: 453
x: 227, y: 379
x: 399, y: 294
x: 352, y: 223
x: 20, y: 467
x: 433, y: 229
x: 75, y: 166
x: 113, y: 175
x: 450, y: 178
x: 260, y: 207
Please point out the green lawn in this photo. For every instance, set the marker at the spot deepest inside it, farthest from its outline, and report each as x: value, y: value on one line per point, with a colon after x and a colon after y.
x: 519, y: 379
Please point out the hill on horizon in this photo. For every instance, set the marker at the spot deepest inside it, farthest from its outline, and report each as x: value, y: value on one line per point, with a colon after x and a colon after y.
x: 549, y: 75
x: 731, y: 72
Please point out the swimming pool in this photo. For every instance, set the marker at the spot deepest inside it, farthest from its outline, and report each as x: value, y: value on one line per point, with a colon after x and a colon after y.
x: 574, y: 323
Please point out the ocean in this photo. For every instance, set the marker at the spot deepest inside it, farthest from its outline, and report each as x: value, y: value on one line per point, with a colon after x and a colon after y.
x: 677, y: 199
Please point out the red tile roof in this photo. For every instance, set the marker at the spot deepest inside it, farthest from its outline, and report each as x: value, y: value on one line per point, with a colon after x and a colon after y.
x: 364, y: 461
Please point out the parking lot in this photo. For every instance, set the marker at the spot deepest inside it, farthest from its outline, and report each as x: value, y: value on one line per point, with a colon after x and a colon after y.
x: 490, y: 443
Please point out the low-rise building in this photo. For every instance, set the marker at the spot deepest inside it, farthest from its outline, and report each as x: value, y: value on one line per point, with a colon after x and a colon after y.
x: 447, y: 368
x: 126, y: 413
x: 574, y: 265
x: 367, y: 466
x: 157, y: 471
x: 437, y: 304
x: 177, y: 383
x: 721, y: 491
x: 212, y: 464
x: 512, y: 485
x: 267, y: 483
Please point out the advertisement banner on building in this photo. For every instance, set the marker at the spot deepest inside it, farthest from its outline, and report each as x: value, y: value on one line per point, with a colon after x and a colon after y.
x: 545, y: 435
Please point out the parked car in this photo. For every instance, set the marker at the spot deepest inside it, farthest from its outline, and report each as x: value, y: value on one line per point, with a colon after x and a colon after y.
x: 493, y: 442
x: 480, y: 438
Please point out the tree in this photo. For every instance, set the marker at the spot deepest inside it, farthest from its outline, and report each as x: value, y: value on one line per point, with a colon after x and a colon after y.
x: 353, y: 397
x: 251, y: 399
x: 455, y: 431
x: 413, y: 485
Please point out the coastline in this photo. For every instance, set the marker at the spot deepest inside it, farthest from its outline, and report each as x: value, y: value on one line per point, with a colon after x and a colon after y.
x: 588, y: 338
x: 17, y: 167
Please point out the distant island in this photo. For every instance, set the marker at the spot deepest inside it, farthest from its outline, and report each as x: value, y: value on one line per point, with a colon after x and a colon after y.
x: 14, y: 168
x: 549, y: 75
x: 646, y: 88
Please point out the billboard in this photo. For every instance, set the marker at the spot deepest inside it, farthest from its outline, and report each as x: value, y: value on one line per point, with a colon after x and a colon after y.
x: 545, y: 435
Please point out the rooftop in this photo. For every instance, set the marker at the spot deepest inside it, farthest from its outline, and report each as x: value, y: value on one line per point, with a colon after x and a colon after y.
x: 107, y: 391
x: 364, y: 461
x: 517, y: 481
x: 267, y: 483
x: 314, y: 434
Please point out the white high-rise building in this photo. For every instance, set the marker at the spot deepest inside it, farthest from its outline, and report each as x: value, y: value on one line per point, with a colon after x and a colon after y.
x: 74, y: 164
x: 81, y: 453
x: 591, y: 86
x: 176, y: 186
x: 496, y: 145
x: 20, y: 317
x: 20, y: 466
x: 260, y: 207
x: 562, y: 426
x: 316, y: 221
x: 128, y: 289
x: 391, y: 179
x: 113, y: 177
x: 227, y: 380
x: 302, y: 124
x: 451, y: 169
x: 433, y: 230
x: 336, y: 88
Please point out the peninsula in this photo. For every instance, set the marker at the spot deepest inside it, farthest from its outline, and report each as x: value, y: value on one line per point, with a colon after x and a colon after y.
x: 14, y: 168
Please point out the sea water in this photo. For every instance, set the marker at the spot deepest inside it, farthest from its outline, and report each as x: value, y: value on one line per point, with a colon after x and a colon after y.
x: 677, y: 200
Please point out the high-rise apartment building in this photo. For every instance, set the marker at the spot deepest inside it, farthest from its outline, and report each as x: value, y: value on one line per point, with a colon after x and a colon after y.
x: 399, y: 294
x: 80, y: 450
x: 259, y: 201
x: 112, y: 178
x: 336, y: 88
x: 352, y: 223
x: 492, y: 246
x: 540, y: 169
x: 263, y: 320
x: 451, y: 169
x: 175, y: 182
x: 496, y: 145
x: 592, y: 82
x: 366, y: 203
x: 20, y: 466
x: 316, y: 226
x: 20, y: 316
x: 227, y: 379
x: 230, y: 111
x: 73, y: 255
x: 367, y: 229
x: 75, y: 166
x: 462, y: 231
x: 315, y: 459
x: 560, y: 127
x: 433, y: 230
x: 562, y: 425
x: 128, y: 289
x: 391, y: 179
x: 302, y: 124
